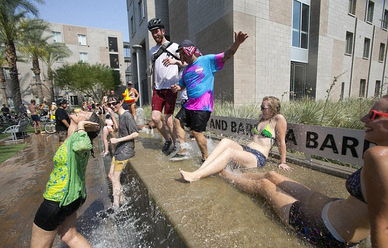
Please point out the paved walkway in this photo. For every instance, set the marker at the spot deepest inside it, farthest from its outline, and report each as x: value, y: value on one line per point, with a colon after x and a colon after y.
x: 207, y: 213
x: 22, y: 182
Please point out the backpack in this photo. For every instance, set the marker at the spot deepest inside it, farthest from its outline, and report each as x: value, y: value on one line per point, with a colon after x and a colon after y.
x: 161, y: 50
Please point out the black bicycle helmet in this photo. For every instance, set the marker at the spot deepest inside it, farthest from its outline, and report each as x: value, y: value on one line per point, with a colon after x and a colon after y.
x: 155, y: 23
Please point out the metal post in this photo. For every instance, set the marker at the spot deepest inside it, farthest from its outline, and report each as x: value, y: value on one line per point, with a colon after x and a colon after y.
x: 137, y: 47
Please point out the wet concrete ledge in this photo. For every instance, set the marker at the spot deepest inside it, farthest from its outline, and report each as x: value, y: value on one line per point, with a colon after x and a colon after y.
x: 212, y: 213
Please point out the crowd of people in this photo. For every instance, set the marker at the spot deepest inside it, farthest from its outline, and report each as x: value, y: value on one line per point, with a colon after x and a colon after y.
x: 319, y: 219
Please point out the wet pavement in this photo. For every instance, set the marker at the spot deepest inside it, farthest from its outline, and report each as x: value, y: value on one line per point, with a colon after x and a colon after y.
x: 23, y: 179
x: 208, y: 213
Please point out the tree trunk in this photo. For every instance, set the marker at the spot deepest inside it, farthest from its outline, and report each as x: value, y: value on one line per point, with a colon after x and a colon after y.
x: 50, y: 81
x: 10, y: 53
x: 38, y: 82
x: 3, y: 86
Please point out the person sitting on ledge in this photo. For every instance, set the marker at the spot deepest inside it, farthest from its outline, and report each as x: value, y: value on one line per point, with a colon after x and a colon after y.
x: 272, y: 127
x: 332, y: 222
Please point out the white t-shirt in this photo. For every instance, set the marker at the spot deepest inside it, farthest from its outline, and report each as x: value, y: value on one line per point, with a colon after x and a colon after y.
x: 165, y: 76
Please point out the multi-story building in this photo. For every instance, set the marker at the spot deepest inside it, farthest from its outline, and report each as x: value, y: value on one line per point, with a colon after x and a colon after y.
x: 87, y: 44
x: 295, y: 49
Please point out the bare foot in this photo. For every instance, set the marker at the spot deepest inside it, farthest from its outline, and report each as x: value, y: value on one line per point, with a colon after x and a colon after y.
x: 188, y: 176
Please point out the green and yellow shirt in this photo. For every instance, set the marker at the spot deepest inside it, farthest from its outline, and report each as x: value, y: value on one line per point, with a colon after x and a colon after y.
x: 67, y: 180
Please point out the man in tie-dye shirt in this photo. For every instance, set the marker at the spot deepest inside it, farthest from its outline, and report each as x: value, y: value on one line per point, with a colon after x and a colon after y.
x: 198, y: 79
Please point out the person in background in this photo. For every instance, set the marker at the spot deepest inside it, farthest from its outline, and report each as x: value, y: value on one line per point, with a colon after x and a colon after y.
x: 333, y: 222
x: 35, y: 116
x: 62, y: 120
x: 131, y: 97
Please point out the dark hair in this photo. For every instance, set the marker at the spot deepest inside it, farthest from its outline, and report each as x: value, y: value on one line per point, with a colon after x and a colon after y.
x: 94, y: 118
x: 93, y: 134
x: 125, y: 106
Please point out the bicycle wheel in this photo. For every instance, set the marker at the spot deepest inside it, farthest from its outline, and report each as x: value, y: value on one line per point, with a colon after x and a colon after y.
x: 49, y: 128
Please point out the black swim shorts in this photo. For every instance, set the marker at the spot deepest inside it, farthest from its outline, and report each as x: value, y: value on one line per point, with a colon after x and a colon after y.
x: 196, y: 120
x: 35, y: 118
x: 49, y: 215
x: 312, y: 228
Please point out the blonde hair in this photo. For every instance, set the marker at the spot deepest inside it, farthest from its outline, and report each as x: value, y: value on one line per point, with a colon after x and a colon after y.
x: 274, y: 104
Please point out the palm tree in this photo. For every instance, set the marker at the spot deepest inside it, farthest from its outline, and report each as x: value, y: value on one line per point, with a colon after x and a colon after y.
x: 55, y: 52
x: 34, y: 44
x: 12, y: 12
x: 3, y: 63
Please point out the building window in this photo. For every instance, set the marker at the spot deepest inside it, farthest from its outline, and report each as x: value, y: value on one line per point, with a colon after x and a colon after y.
x: 342, y: 90
x: 365, y: 55
x: 74, y: 100
x: 82, y: 39
x: 349, y: 43
x: 113, y: 44
x: 133, y: 30
x: 300, y: 24
x: 385, y: 19
x: 140, y: 6
x: 377, y: 88
x: 369, y: 15
x: 362, y: 88
x: 114, y: 61
x: 83, y: 57
x: 381, y: 52
x: 57, y: 36
x: 352, y: 7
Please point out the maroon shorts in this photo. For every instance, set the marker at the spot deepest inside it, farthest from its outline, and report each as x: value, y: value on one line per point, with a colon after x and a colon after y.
x: 164, y: 99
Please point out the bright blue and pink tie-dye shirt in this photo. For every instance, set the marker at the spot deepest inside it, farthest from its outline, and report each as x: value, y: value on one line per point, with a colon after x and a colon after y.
x: 198, y: 78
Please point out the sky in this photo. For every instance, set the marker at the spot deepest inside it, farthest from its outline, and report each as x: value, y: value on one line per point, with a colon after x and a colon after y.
x: 108, y: 14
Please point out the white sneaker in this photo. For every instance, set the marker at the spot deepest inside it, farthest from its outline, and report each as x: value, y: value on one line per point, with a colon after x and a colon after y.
x: 180, y: 156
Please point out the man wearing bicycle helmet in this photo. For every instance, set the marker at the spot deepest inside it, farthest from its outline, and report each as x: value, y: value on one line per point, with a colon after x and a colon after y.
x: 62, y: 119
x: 165, y: 72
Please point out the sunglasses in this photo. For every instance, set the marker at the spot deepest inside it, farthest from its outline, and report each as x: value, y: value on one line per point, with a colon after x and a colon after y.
x: 113, y: 103
x: 373, y: 114
x: 263, y: 108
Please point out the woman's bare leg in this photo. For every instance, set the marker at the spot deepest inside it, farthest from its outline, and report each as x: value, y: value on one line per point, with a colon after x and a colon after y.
x: 68, y: 233
x: 41, y: 238
x: 244, y: 159
x: 105, y: 133
x: 280, y: 200
x: 220, y: 148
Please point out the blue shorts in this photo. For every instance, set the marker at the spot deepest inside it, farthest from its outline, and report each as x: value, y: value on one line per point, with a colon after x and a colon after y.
x: 260, y: 158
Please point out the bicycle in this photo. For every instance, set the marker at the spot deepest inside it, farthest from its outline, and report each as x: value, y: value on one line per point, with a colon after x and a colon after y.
x: 49, y: 126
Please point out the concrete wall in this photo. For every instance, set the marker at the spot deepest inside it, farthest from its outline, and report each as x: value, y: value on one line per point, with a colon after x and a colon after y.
x: 267, y: 49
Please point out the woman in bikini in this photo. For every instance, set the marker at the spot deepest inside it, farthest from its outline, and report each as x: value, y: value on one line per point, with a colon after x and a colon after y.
x: 272, y: 127
x: 332, y: 222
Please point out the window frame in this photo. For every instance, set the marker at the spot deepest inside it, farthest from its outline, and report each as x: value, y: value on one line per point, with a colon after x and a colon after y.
x: 352, y: 7
x: 57, y: 34
x: 370, y: 14
x: 299, y: 30
x: 382, y: 52
x: 384, y: 22
x: 349, y: 45
x: 85, y: 55
x: 362, y: 88
x: 81, y: 38
x: 377, y: 89
x: 366, y: 50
